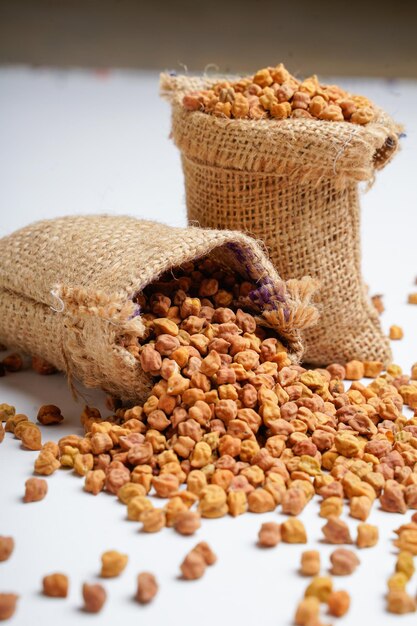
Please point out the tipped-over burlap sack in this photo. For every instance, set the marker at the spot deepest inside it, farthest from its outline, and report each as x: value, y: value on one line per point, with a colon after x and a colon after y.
x: 67, y: 287
x: 293, y: 184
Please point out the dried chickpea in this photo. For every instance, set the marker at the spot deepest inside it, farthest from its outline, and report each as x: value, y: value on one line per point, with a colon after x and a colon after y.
x: 332, y: 506
x: 165, y: 485
x: 405, y: 564
x: 83, y: 463
x: 140, y: 454
x: 116, y: 477
x: 196, y: 482
x: 12, y: 363
x: 49, y: 414
x: 237, y: 502
x: 378, y: 303
x: 147, y: 588
x: 394, y: 370
x: 200, y: 455
x: 407, y: 540
x: 280, y: 110
x: 240, y: 109
x: 293, y: 531
x: 397, y: 582
x: 338, y: 603
x: 8, y: 602
x: 368, y: 536
x: 206, y: 552
x: 400, y: 602
x: 310, y: 563
x: 46, y: 463
x: 260, y: 501
x: 222, y: 109
x: 317, y: 106
x: 165, y: 326
x: 293, y: 501
x: 101, y: 443
x: 55, y: 585
x: 336, y: 531
x: 332, y: 113
x: 94, y: 597
x: 35, y: 489
x: 6, y: 547
x: 14, y: 420
x: 193, y: 566
x: 51, y: 447
x: 360, y: 507
x: 67, y: 456
x: 191, y: 102
x: 137, y: 506
x: 7, y: 411
x: 396, y: 332
x: 254, y: 474
x: 129, y: 491
x: 392, y: 498
x: 320, y: 587
x: 354, y: 370
x: 174, y: 507
x: 94, y: 481
x: 213, y: 502
x: 112, y: 563
x: 269, y: 535
x: 343, y: 561
x: 307, y: 612
x: 362, y: 115
x: 31, y: 437
x: 187, y: 523
x: 372, y: 369
x: 263, y: 78
x: 347, y: 444
x: 153, y: 520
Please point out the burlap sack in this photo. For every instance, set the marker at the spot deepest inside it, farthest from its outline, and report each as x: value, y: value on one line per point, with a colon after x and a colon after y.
x: 67, y: 288
x: 293, y: 184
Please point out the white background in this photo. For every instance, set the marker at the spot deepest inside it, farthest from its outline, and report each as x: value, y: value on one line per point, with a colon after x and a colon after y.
x: 84, y: 142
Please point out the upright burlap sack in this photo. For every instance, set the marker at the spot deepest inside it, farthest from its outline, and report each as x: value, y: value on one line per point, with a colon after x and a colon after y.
x: 67, y: 287
x: 293, y: 184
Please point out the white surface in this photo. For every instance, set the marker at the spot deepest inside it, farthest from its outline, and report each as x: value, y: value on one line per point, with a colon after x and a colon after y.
x: 82, y: 142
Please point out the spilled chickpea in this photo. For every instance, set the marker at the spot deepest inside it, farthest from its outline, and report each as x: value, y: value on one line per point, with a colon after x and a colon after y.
x: 232, y: 426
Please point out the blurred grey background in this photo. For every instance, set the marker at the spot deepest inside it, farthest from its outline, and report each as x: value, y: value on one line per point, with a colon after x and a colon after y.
x: 349, y: 37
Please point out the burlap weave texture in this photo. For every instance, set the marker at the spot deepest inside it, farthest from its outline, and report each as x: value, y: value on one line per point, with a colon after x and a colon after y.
x: 294, y: 185
x: 67, y: 287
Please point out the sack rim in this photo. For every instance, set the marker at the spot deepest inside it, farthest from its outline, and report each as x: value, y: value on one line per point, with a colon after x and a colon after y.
x: 371, y: 146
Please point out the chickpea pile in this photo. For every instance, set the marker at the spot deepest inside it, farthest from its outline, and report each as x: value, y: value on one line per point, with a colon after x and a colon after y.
x: 274, y: 93
x: 231, y: 425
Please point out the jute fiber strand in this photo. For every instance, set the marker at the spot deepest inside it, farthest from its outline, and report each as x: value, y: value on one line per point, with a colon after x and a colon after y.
x: 293, y: 184
x: 67, y: 287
